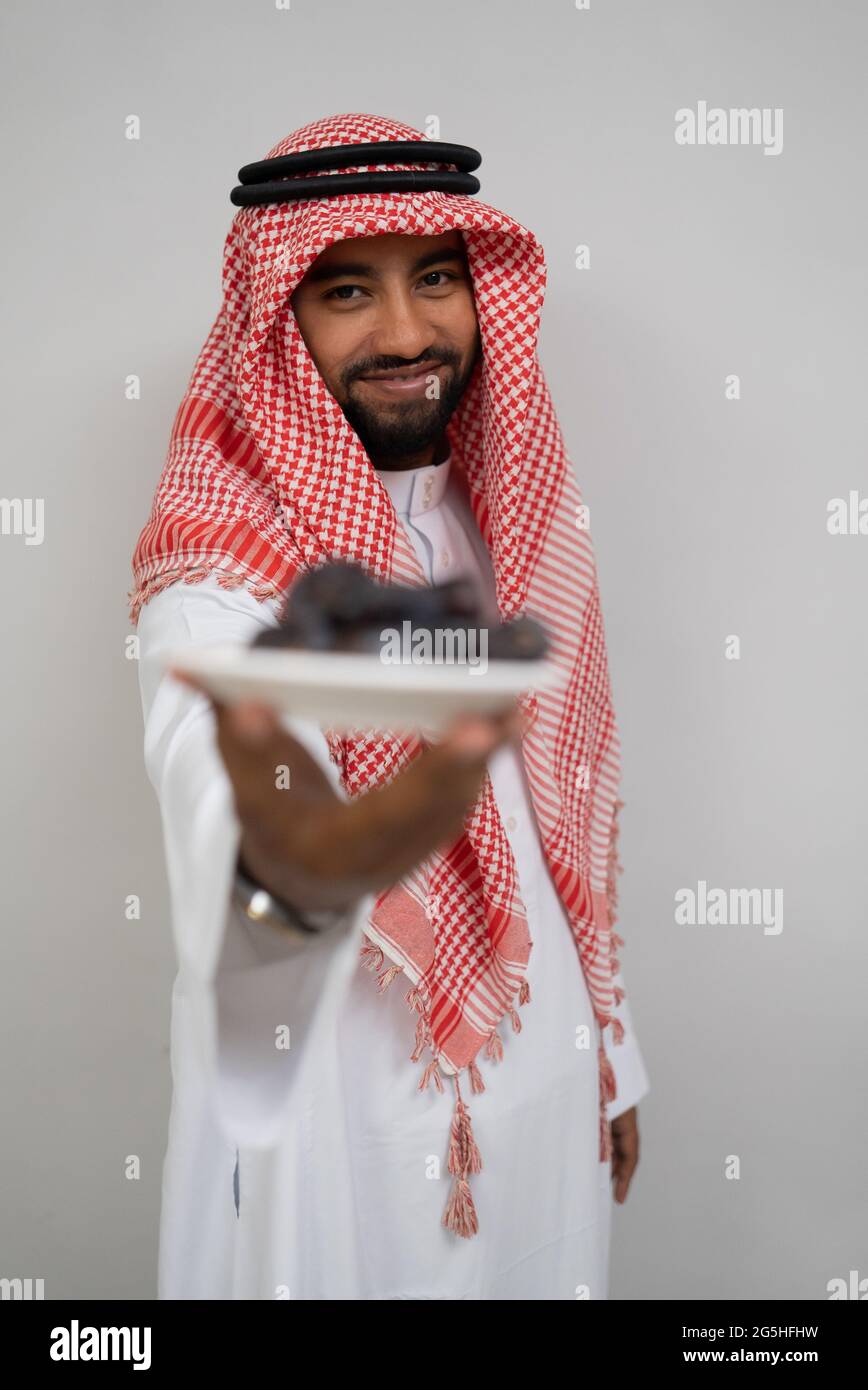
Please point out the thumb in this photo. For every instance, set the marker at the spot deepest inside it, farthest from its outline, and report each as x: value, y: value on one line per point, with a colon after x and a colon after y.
x: 472, y: 740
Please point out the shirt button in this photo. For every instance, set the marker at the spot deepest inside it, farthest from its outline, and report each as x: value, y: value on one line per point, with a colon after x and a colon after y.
x: 511, y: 823
x: 445, y: 559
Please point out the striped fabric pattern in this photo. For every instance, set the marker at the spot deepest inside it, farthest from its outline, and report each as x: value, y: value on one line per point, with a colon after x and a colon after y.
x: 265, y: 478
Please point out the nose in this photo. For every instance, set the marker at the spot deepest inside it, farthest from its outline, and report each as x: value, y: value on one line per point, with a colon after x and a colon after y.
x: 402, y: 328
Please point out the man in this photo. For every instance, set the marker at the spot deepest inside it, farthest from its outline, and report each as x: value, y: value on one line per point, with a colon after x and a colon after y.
x: 370, y: 390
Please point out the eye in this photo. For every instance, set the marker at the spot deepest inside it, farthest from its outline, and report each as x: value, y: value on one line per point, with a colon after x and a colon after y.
x: 338, y: 292
x: 426, y: 279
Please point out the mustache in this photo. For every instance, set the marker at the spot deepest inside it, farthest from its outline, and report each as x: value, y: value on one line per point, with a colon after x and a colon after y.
x: 447, y: 356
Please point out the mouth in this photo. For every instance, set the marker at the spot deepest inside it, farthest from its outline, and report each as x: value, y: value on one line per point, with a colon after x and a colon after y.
x: 402, y: 381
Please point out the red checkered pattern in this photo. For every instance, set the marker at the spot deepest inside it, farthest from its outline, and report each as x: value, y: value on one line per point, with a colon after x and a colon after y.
x: 265, y: 478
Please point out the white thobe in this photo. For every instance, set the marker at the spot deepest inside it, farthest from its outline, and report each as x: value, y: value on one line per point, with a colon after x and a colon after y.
x: 318, y: 1170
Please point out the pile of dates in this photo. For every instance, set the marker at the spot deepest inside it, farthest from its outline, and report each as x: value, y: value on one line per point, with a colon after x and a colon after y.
x: 339, y: 607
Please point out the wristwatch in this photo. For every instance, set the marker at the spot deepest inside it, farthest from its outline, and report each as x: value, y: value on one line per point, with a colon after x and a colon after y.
x: 259, y: 905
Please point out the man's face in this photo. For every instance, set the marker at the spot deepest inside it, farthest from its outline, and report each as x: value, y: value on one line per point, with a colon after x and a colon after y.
x: 391, y: 324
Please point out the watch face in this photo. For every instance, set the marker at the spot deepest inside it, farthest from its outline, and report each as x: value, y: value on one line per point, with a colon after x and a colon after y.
x: 260, y: 906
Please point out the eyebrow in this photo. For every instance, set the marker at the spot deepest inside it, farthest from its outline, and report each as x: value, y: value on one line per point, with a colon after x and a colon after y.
x: 332, y: 272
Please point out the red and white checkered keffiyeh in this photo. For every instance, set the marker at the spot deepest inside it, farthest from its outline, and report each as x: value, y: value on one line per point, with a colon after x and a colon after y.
x: 265, y: 478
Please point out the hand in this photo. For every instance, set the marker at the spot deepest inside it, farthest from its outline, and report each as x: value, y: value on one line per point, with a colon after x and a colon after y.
x: 311, y: 848
x: 625, y: 1152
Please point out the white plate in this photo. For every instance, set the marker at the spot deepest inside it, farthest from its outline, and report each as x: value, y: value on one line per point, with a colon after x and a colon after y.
x: 355, y: 690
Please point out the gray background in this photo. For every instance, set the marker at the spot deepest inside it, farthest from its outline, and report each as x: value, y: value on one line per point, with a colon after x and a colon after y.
x: 709, y: 518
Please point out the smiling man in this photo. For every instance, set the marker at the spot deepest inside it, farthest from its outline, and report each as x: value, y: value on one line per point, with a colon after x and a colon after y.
x: 398, y: 403
x: 371, y: 391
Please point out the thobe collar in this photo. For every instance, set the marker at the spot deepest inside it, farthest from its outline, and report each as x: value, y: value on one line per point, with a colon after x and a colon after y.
x: 416, y: 490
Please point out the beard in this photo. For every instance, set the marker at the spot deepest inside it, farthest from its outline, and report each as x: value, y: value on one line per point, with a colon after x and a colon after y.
x: 405, y: 428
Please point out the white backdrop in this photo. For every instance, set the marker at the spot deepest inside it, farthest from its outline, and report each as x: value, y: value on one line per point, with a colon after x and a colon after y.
x: 709, y: 517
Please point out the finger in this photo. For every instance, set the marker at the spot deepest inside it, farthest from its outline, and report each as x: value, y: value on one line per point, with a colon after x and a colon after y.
x: 472, y: 740
x: 625, y: 1160
x: 186, y: 679
x: 195, y: 684
x: 474, y: 737
x: 623, y: 1179
x: 251, y: 723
